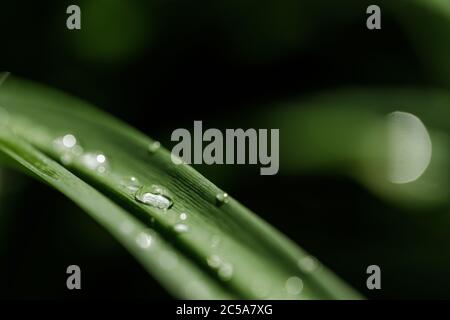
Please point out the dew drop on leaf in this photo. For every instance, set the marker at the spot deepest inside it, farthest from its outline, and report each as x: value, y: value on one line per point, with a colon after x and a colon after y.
x: 183, y: 216
x: 154, y: 196
x: 67, y: 147
x: 294, y: 286
x: 95, y: 161
x: 225, y: 271
x: 154, y: 147
x: 222, y: 198
x: 308, y: 264
x: 144, y: 240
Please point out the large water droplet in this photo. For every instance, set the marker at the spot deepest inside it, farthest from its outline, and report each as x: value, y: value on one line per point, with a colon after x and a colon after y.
x: 222, y: 198
x: 154, y: 196
x: 95, y: 161
x: 294, y: 286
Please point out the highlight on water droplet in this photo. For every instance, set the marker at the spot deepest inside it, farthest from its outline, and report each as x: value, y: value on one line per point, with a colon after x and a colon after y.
x: 154, y: 146
x: 183, y: 216
x: 95, y: 161
x: 154, y: 196
x: 294, y: 286
x: 181, y: 228
x: 130, y: 183
x: 67, y: 147
x: 144, y: 240
x: 222, y: 198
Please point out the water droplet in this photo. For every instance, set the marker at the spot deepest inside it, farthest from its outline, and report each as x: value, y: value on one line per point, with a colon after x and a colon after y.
x: 69, y: 141
x: 155, y: 196
x: 308, y: 264
x: 181, y: 228
x: 294, y: 286
x: 225, y: 271
x: 183, y: 216
x: 144, y: 240
x: 130, y: 183
x: 95, y: 161
x: 222, y: 198
x: 68, y: 148
x: 154, y: 146
x: 214, y: 261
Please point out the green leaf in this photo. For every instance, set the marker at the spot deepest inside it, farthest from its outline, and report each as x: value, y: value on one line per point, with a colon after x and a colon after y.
x: 217, y: 249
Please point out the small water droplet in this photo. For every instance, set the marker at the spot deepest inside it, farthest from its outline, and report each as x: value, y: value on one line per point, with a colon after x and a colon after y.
x: 214, y: 261
x: 95, y: 161
x: 225, y: 271
x: 308, y: 264
x: 222, y: 198
x: 181, y: 228
x: 183, y: 216
x: 154, y: 146
x: 294, y: 286
x: 144, y: 240
x: 154, y: 196
x: 130, y: 183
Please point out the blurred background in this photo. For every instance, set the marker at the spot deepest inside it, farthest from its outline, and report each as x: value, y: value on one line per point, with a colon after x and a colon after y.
x: 365, y: 183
